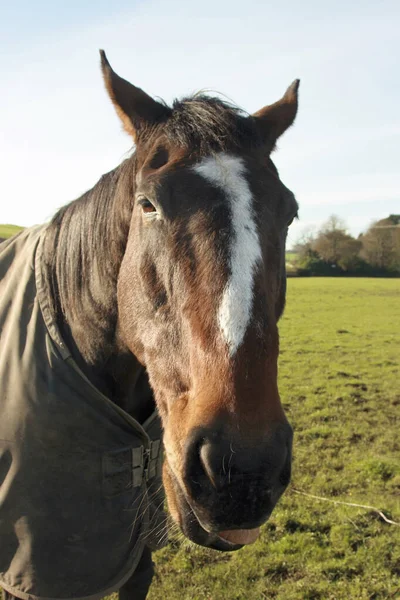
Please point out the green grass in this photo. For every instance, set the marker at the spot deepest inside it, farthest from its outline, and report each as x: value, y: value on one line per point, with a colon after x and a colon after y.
x: 7, y: 231
x: 339, y: 381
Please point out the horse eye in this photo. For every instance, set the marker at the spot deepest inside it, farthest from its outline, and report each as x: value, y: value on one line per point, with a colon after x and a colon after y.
x: 147, y: 206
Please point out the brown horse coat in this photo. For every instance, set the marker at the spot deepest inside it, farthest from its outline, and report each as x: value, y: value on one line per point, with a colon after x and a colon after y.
x: 76, y: 471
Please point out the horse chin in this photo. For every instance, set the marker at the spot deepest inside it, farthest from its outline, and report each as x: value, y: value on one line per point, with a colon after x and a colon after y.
x: 183, y: 514
x: 196, y: 533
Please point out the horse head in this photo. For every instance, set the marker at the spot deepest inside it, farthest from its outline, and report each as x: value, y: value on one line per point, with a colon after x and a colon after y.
x: 200, y: 291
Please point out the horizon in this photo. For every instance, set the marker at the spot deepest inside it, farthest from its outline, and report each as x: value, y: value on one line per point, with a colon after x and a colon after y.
x: 60, y: 132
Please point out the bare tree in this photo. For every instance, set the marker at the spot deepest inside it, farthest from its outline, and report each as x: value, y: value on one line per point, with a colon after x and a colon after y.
x: 334, y: 223
x: 303, y: 245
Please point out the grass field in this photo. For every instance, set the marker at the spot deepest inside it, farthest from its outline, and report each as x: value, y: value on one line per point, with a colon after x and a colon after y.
x: 7, y: 231
x: 339, y: 380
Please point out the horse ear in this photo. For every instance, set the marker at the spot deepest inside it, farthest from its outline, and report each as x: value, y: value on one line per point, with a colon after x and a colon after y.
x: 273, y: 120
x: 136, y: 109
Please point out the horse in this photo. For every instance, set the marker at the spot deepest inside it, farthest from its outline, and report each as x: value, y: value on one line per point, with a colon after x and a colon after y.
x: 139, y: 350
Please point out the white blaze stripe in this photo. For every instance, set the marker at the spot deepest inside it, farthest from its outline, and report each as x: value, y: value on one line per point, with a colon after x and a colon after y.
x: 227, y: 173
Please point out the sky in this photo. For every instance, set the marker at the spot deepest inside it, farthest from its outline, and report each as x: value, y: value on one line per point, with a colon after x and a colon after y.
x: 59, y: 132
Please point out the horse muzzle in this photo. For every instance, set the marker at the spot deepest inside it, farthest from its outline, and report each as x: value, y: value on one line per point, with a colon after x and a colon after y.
x: 228, y: 487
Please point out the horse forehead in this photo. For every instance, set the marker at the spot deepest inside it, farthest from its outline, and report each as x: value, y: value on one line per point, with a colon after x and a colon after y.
x: 235, y: 311
x: 225, y: 171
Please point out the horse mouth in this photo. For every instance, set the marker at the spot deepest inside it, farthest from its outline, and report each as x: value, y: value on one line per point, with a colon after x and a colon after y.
x: 225, y: 541
x: 242, y: 537
x: 191, y: 526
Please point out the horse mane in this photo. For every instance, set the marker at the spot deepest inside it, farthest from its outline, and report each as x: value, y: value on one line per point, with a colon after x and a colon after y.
x: 84, y: 246
x: 86, y: 239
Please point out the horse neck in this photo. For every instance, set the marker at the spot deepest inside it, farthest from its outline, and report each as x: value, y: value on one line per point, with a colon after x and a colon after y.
x: 84, y: 247
x: 121, y: 378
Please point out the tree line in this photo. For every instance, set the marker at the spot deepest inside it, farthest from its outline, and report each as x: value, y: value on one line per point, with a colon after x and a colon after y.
x: 333, y: 251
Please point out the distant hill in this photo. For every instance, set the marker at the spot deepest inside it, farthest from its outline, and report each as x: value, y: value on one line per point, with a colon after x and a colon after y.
x: 7, y: 231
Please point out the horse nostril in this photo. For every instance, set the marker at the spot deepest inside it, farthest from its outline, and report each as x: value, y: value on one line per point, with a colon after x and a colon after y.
x: 206, y: 459
x: 202, y: 464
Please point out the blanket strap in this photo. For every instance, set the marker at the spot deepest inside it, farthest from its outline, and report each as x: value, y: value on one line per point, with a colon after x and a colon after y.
x: 126, y: 468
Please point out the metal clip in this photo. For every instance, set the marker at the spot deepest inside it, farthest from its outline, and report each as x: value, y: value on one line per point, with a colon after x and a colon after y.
x: 153, y: 455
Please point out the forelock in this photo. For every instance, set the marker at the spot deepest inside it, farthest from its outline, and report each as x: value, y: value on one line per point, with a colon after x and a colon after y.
x: 209, y: 124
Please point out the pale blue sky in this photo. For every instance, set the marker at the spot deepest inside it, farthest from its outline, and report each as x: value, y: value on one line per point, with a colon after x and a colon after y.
x: 58, y: 131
